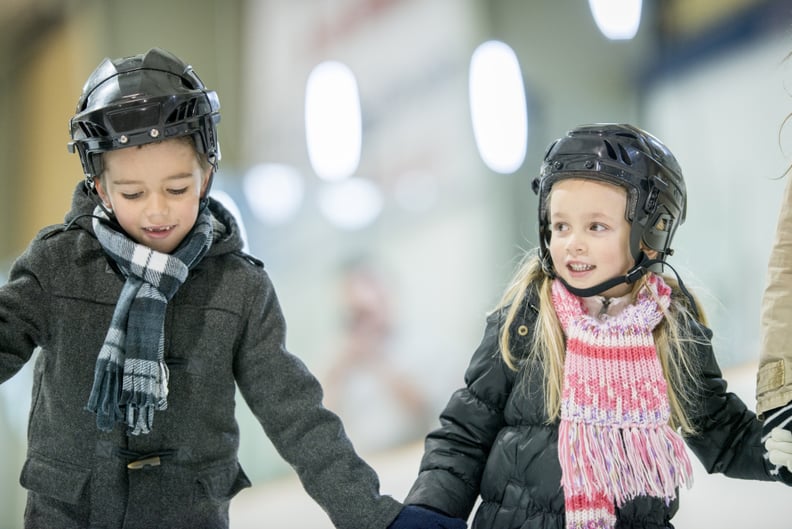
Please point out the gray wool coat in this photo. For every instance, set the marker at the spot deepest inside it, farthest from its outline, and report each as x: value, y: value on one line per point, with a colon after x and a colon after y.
x: 224, y: 328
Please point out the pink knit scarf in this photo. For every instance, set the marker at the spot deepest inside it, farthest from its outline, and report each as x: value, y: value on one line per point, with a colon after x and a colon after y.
x: 614, y: 440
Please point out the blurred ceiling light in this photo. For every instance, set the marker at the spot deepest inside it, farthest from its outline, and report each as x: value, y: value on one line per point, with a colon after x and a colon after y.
x: 497, y: 106
x: 617, y: 19
x: 232, y: 207
x: 351, y: 204
x: 273, y: 192
x: 332, y: 121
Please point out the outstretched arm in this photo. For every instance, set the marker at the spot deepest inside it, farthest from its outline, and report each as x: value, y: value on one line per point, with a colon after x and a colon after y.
x: 287, y: 400
x: 456, y: 453
x: 774, y: 378
x: 729, y: 436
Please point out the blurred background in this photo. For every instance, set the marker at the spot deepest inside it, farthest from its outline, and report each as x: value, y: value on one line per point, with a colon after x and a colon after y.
x: 379, y: 154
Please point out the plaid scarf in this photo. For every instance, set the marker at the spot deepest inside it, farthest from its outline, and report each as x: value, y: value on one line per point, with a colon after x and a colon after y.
x: 615, y: 442
x: 131, y: 377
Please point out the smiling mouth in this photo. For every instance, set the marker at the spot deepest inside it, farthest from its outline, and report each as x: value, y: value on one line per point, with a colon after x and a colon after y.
x: 580, y: 267
x: 158, y: 229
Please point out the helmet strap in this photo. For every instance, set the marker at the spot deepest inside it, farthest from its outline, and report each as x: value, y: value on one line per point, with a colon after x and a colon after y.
x: 633, y: 275
x: 642, y: 266
x: 204, y: 199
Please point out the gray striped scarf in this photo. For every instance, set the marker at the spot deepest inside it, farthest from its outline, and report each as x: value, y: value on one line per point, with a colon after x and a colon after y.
x: 131, y: 378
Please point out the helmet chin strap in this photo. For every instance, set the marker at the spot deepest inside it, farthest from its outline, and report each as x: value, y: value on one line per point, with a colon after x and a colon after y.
x: 641, y: 267
x: 203, y: 201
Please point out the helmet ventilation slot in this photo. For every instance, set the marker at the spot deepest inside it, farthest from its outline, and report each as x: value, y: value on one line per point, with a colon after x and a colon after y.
x: 611, y: 150
x: 92, y: 130
x: 625, y: 155
x: 186, y: 110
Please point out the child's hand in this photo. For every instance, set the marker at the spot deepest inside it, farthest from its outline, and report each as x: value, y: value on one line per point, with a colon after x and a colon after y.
x: 777, y: 435
x: 415, y: 517
x: 779, y: 448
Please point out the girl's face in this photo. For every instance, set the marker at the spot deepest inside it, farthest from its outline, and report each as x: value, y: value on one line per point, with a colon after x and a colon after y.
x: 590, y: 237
x: 154, y: 191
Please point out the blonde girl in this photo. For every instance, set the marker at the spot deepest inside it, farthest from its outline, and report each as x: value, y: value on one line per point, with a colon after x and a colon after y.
x: 595, y: 368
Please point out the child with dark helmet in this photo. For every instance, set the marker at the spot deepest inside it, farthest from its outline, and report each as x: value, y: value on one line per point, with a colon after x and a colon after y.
x: 596, y: 368
x: 148, y: 316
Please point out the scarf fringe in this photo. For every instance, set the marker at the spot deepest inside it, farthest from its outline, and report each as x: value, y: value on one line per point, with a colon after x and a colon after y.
x: 145, y: 390
x: 623, y: 461
x: 104, y: 396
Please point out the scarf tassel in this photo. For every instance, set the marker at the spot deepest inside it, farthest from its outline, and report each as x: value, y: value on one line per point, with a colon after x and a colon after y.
x: 145, y: 390
x: 630, y: 461
x: 103, y: 400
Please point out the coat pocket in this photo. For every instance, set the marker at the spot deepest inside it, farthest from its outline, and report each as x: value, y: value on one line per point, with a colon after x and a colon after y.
x: 221, y: 483
x: 56, y: 479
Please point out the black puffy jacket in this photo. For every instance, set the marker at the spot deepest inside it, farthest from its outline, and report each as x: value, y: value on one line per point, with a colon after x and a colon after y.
x: 494, y: 441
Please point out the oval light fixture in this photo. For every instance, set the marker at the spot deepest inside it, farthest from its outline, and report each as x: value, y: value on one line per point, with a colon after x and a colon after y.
x: 332, y: 121
x: 617, y: 19
x: 497, y: 106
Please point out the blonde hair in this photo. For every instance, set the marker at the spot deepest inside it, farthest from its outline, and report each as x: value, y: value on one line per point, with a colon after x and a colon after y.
x: 674, y: 338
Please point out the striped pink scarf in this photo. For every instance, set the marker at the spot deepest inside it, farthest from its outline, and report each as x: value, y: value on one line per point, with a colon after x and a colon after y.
x: 615, y: 442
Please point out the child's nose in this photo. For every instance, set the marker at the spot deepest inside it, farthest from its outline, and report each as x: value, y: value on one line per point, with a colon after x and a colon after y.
x: 575, y: 244
x: 157, y: 204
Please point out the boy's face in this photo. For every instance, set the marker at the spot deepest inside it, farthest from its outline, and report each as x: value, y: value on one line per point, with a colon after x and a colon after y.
x: 154, y: 191
x: 590, y: 238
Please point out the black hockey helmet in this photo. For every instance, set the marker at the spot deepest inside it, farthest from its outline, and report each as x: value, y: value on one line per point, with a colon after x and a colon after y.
x: 629, y: 157
x: 142, y: 99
